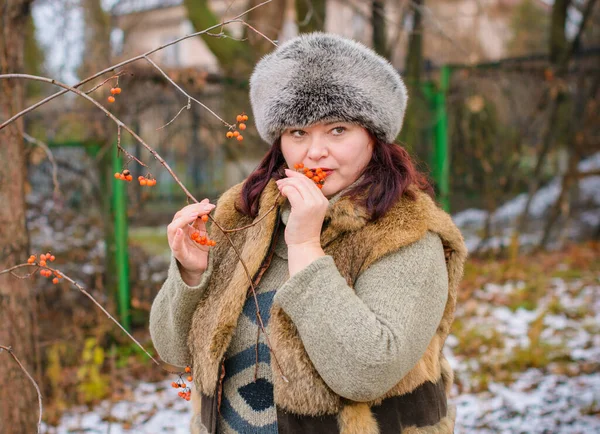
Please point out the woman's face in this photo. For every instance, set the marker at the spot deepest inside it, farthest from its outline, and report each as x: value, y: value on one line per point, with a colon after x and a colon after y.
x: 343, y: 148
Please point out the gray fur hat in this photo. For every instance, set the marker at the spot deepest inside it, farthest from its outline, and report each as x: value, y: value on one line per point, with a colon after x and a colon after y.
x: 319, y: 77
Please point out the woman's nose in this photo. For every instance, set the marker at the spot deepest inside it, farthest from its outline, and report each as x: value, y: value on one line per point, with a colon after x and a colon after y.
x: 317, y: 149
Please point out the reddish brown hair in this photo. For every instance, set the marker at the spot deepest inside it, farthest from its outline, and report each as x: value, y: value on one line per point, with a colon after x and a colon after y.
x: 387, y: 178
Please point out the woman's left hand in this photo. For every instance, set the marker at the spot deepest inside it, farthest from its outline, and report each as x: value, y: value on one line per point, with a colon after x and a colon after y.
x: 309, y: 207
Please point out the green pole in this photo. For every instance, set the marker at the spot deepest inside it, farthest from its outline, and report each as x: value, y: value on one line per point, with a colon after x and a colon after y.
x: 442, y: 157
x: 121, y: 254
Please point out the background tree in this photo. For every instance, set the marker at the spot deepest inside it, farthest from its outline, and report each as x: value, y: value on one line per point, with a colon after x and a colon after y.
x: 18, y: 412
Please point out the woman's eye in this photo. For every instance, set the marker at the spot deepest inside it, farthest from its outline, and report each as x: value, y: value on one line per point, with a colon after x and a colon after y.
x: 338, y: 130
x: 297, y: 133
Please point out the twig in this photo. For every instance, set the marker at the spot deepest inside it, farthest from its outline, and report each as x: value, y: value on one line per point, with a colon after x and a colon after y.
x: 125, y: 62
x: 46, y: 149
x: 249, y: 26
x: 109, y: 114
x: 10, y: 351
x: 87, y: 294
x: 187, y: 106
x: 117, y: 75
x: 228, y: 125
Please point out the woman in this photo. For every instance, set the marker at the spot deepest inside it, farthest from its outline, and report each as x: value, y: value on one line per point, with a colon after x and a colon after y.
x: 355, y: 282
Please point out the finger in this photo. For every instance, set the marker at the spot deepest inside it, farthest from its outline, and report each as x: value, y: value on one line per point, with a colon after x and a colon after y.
x: 197, y: 208
x: 293, y: 195
x: 177, y: 243
x: 192, y: 207
x: 311, y: 194
x: 181, y: 222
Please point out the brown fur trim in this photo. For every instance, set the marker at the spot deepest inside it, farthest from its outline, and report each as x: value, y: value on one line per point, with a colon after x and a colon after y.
x: 357, y: 418
x: 444, y: 426
x: 196, y: 426
x: 305, y: 392
x: 447, y: 374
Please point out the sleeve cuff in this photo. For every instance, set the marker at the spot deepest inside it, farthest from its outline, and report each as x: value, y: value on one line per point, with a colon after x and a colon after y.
x: 175, y: 275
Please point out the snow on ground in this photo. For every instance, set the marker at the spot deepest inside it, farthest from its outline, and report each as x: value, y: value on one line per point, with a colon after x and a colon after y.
x: 471, y: 221
x: 561, y: 396
x: 155, y: 408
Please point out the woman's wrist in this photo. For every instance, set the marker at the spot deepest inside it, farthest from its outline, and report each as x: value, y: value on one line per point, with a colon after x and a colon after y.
x: 302, y: 254
x: 189, y: 278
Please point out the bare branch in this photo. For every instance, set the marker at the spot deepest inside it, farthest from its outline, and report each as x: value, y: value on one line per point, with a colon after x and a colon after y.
x: 187, y: 106
x: 125, y: 62
x: 252, y: 28
x: 228, y: 125
x: 39, y: 393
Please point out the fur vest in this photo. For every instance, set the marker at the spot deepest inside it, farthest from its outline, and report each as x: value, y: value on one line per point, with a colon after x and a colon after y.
x: 305, y: 403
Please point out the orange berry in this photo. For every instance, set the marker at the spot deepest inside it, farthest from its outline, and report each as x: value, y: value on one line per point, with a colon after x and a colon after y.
x: 320, y: 185
x: 240, y: 138
x: 236, y: 133
x: 113, y: 91
x: 117, y: 90
x: 42, y: 257
x: 244, y: 118
x: 30, y: 260
x: 189, y: 378
x: 202, y: 241
x: 239, y: 118
x: 129, y: 178
x: 188, y: 369
x: 187, y: 398
x: 204, y: 218
x: 174, y: 385
x: 52, y: 257
x: 180, y: 394
x: 300, y: 165
x: 242, y: 127
x: 309, y: 174
x: 213, y: 243
x: 140, y: 178
x: 154, y: 182
x: 117, y: 175
x: 55, y: 280
x: 316, y: 178
x: 111, y: 99
x: 229, y: 134
x: 43, y: 263
x: 143, y: 182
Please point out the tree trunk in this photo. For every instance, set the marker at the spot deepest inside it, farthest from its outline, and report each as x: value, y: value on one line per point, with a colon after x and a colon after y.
x: 558, y: 37
x: 379, y: 29
x: 414, y: 58
x: 18, y: 402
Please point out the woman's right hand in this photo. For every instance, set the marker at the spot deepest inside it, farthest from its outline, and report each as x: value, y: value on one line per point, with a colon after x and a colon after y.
x: 192, y: 257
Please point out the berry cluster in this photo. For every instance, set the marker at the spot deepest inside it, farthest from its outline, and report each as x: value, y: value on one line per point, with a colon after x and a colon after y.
x: 150, y: 182
x: 185, y: 393
x: 125, y: 175
x: 113, y: 91
x: 241, y: 125
x: 44, y: 259
x: 202, y: 240
x: 318, y: 176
